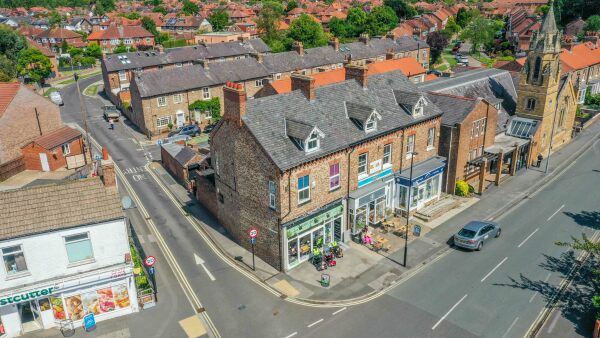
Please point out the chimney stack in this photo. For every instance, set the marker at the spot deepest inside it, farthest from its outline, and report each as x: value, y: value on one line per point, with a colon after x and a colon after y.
x: 107, y: 170
x: 364, y: 38
x: 358, y: 73
x: 259, y: 57
x: 335, y: 43
x: 234, y: 99
x: 298, y: 47
x: 390, y: 35
x: 389, y: 55
x: 305, y: 83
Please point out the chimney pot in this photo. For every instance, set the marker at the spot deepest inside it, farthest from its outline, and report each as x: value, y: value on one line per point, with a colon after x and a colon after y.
x: 304, y: 83
x: 234, y: 100
x: 358, y: 73
x: 298, y: 47
x: 335, y: 43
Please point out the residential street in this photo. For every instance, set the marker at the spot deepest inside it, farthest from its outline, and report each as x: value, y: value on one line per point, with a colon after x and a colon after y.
x: 497, y: 292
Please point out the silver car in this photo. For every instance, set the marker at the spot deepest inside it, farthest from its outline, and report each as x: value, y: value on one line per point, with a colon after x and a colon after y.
x: 473, y: 235
x: 56, y: 98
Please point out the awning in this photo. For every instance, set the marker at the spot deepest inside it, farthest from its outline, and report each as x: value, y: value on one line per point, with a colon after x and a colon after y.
x: 506, y: 144
x: 422, y: 171
x: 479, y: 161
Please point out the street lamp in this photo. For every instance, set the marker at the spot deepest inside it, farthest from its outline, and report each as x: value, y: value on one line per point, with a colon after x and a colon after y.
x: 551, y: 139
x: 412, y: 156
x: 84, y: 115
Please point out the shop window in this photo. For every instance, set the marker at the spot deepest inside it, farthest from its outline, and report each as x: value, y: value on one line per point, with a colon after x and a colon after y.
x: 334, y: 176
x: 362, y: 163
x: 14, y: 260
x: 303, y: 189
x: 272, y: 195
x: 387, y: 154
x: 79, y: 248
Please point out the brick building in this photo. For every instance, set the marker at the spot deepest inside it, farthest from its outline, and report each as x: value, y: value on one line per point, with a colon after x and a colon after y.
x: 319, y: 163
x: 179, y: 159
x: 50, y: 151
x: 129, y: 36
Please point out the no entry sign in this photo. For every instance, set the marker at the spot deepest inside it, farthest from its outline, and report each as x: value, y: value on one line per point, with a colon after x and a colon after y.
x: 150, y: 260
x: 253, y: 232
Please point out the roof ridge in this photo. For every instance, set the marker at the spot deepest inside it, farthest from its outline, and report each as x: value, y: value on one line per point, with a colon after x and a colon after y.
x: 452, y: 96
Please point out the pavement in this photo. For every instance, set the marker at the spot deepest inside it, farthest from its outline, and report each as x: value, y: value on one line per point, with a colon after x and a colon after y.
x: 446, y: 293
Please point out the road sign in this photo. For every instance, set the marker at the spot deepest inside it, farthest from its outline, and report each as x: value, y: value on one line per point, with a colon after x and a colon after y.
x: 89, y: 322
x: 152, y: 270
x: 253, y: 232
x: 417, y: 230
x: 150, y: 260
x: 253, y: 241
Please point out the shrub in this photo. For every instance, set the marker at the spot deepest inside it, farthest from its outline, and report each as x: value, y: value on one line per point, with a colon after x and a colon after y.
x: 462, y: 189
x: 471, y: 189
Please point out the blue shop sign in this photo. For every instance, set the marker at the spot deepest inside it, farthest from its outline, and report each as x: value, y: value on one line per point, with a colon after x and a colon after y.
x: 418, y: 180
x: 89, y: 322
x: 370, y: 179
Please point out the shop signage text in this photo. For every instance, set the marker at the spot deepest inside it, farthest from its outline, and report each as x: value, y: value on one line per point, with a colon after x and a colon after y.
x: 373, y: 178
x: 26, y: 296
x: 312, y: 222
x: 418, y: 180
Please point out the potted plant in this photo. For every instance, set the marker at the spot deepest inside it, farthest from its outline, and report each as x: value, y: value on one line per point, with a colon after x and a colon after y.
x: 170, y: 126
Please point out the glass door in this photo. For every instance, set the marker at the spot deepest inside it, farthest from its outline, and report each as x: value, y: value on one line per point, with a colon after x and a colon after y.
x: 305, y: 248
x: 372, y: 219
x: 337, y: 229
x: 293, y: 252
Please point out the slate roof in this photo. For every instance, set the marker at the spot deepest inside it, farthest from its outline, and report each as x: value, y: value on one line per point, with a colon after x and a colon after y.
x: 57, y: 137
x: 180, y: 153
x: 312, y: 57
x: 142, y: 59
x: 455, y: 108
x: 378, y: 47
x: 408, y: 98
x: 358, y: 111
x: 178, y: 79
x: 297, y: 129
x: 265, y: 117
x: 53, y: 207
x: 486, y: 83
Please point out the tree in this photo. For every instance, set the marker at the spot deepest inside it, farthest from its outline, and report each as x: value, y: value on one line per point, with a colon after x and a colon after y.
x: 132, y: 15
x: 7, y: 69
x: 219, y: 20
x: 451, y: 26
x: 33, y: 64
x: 480, y: 32
x: 55, y: 19
x: 381, y: 20
x: 149, y: 25
x: 74, y: 51
x: 190, y: 8
x: 160, y: 9
x: 307, y: 31
x: 464, y: 16
x: 437, y: 41
x: 543, y: 9
x: 592, y: 24
x: 213, y: 106
x: 121, y: 48
x: 402, y: 9
x: 93, y: 50
x: 357, y: 21
x: 64, y: 46
x: 11, y: 43
x: 268, y: 21
x: 292, y: 4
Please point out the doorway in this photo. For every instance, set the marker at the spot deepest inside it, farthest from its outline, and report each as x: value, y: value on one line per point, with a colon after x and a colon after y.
x: 44, y: 161
x: 30, y: 316
x: 180, y: 119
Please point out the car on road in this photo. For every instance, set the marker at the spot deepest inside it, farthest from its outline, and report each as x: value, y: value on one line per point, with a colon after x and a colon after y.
x: 111, y: 112
x: 476, y: 233
x: 209, y: 128
x: 56, y: 98
x: 463, y: 60
x: 191, y: 130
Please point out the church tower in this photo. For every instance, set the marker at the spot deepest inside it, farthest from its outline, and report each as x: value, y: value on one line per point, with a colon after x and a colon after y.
x: 540, y: 80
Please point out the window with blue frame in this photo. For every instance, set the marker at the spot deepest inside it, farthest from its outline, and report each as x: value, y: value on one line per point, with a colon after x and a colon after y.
x: 303, y: 189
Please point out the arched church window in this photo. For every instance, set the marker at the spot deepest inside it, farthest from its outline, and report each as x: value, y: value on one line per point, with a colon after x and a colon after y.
x: 530, y: 104
x: 537, y: 68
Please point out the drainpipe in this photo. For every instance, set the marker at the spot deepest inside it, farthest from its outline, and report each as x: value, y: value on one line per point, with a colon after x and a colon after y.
x: 348, y: 190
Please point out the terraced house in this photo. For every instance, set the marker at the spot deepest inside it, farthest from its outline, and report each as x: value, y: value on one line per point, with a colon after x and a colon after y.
x: 317, y: 164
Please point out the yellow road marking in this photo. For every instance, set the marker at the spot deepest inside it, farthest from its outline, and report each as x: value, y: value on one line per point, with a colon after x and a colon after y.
x: 193, y: 327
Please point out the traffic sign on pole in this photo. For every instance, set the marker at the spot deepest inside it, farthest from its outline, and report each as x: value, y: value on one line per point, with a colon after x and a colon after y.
x: 253, y: 232
x: 150, y: 260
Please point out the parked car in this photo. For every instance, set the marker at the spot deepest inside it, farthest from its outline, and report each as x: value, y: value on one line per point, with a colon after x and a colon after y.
x: 475, y: 233
x: 436, y: 72
x: 111, y: 112
x: 56, y: 98
x: 208, y: 129
x: 191, y: 130
x: 458, y: 56
x: 463, y: 60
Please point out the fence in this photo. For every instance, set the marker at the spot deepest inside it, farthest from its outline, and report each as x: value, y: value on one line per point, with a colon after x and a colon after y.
x: 11, y: 168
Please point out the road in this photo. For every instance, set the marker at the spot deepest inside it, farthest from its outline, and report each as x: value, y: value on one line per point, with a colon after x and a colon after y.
x: 494, y: 293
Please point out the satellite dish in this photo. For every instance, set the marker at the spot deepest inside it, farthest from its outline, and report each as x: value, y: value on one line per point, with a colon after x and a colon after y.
x: 126, y: 202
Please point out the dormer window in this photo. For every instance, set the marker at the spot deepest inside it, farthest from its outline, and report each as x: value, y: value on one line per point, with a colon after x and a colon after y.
x: 370, y: 125
x: 411, y: 102
x: 364, y: 117
x: 312, y: 143
x: 305, y: 136
x: 418, y: 108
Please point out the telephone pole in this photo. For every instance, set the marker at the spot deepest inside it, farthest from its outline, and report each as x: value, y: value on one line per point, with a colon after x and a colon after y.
x: 84, y: 116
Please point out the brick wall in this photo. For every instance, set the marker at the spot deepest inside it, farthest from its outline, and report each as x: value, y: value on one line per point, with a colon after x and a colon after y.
x: 11, y: 168
x: 174, y: 168
x: 206, y: 194
x: 56, y: 158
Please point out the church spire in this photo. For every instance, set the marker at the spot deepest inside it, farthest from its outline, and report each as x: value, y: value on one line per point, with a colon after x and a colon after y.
x: 549, y: 24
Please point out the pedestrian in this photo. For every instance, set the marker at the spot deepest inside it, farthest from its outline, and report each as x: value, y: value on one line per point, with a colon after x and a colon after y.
x: 112, y: 123
x: 539, y: 160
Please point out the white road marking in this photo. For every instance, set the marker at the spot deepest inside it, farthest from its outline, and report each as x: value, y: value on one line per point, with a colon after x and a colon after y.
x: 553, y: 323
x: 293, y: 334
x: 494, y: 269
x: 556, y: 212
x: 535, y: 293
x: 338, y: 311
x: 510, y: 327
x: 447, y: 313
x: 315, y: 323
x: 528, y: 237
x: 200, y: 261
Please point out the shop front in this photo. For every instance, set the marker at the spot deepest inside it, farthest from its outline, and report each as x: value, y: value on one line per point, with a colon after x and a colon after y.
x: 426, y: 183
x: 65, y: 302
x: 317, y: 230
x: 370, y: 205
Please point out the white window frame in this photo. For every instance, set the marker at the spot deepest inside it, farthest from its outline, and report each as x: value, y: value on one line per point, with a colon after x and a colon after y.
x: 313, y: 139
x: 178, y: 64
x: 304, y: 200
x: 371, y: 124
x: 258, y: 83
x: 387, y: 154
x: 19, y: 250
x: 206, y: 93
x: 410, y: 145
x: 431, y: 138
x: 418, y: 109
x: 363, y: 168
x: 163, y: 121
x: 161, y: 101
x: 278, y: 76
x: 122, y: 75
x: 272, y: 195
x: 177, y: 98
x: 128, y: 41
x: 66, y: 149
x: 332, y: 178
x: 87, y: 238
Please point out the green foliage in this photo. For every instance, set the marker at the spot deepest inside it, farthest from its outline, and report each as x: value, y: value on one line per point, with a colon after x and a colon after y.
x: 213, y: 106
x: 132, y: 15
x: 481, y: 31
x: 174, y: 43
x: 149, y: 25
x: 33, y: 64
x: 462, y: 189
x: 451, y: 26
x: 381, y: 20
x: 542, y: 10
x: 11, y: 43
x: 268, y: 20
x: 93, y: 50
x: 437, y: 42
x: 121, y: 48
x: 568, y: 10
x: 292, y: 4
x: 307, y: 31
x: 55, y: 18
x: 190, y: 8
x: 219, y: 20
x: 160, y: 9
x: 592, y: 24
x: 471, y: 189
x: 141, y: 281
x: 352, y: 26
x: 402, y: 8
x: 7, y: 69
x: 170, y: 125
x: 593, y: 101
x: 464, y: 16
x: 596, y: 305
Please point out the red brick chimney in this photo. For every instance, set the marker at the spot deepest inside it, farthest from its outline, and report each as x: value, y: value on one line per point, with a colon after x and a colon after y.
x: 234, y: 99
x: 107, y: 170
x: 389, y: 55
x: 358, y: 73
x: 335, y: 43
x: 364, y: 38
x: 298, y: 47
x: 304, y: 83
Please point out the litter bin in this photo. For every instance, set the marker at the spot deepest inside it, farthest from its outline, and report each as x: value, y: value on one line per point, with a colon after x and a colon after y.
x: 325, y: 279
